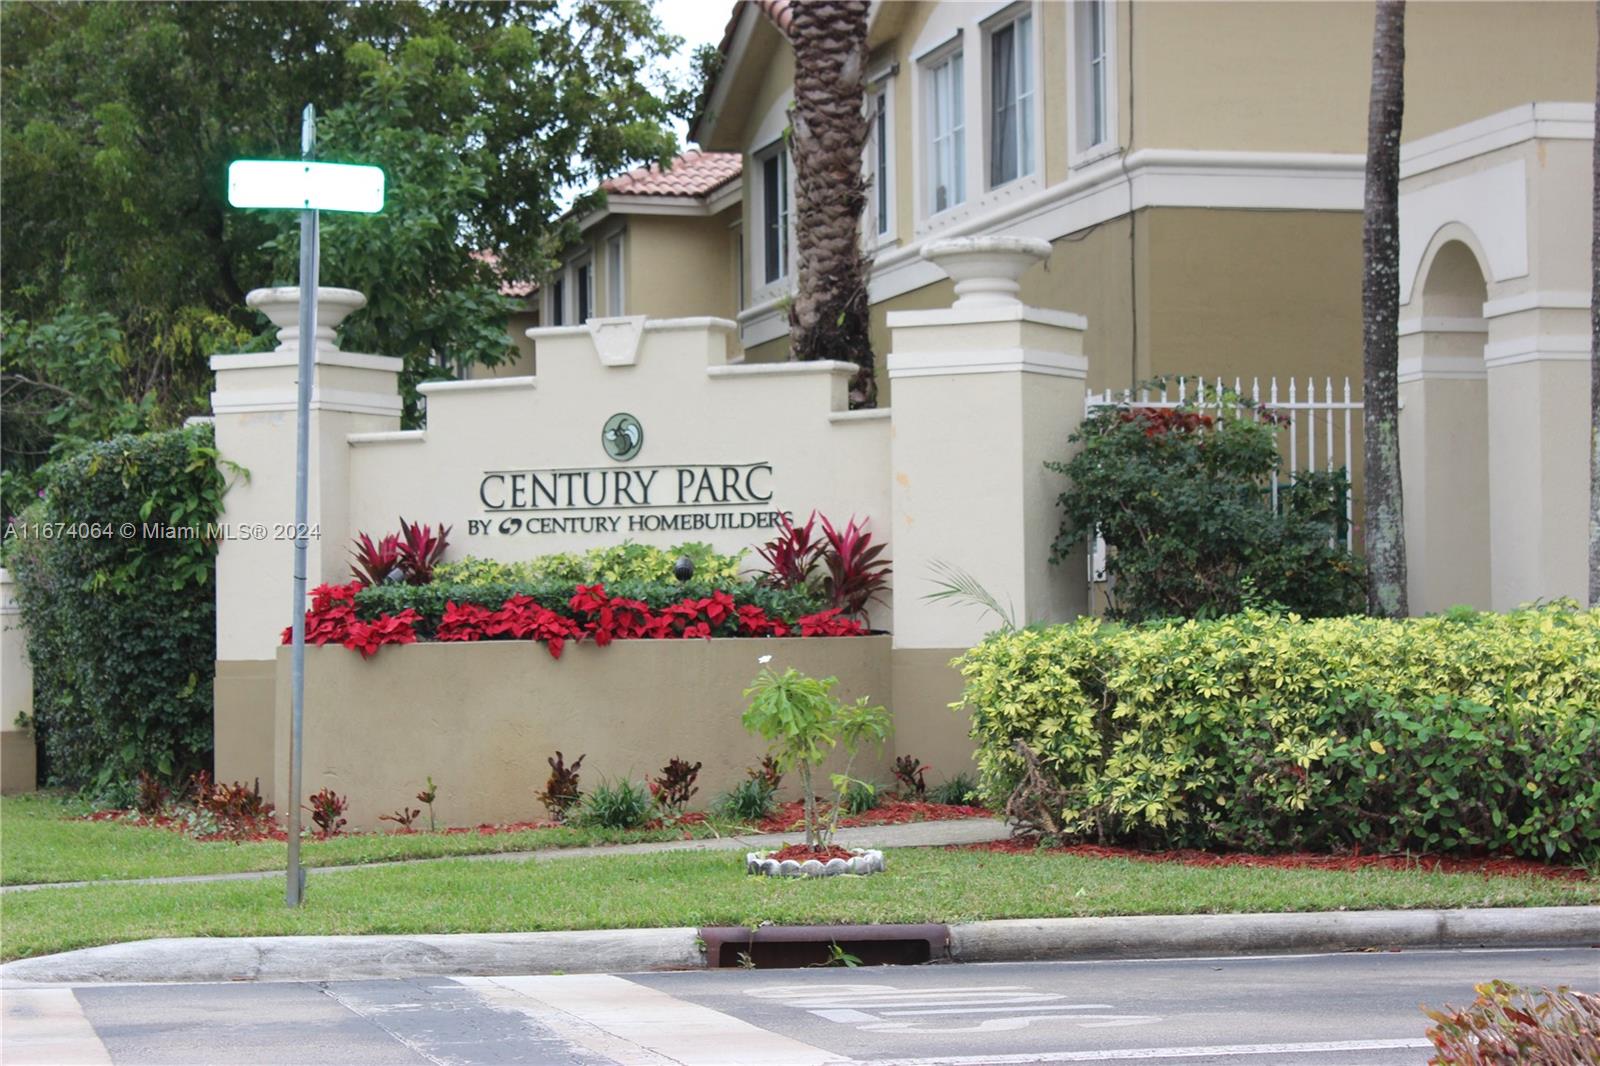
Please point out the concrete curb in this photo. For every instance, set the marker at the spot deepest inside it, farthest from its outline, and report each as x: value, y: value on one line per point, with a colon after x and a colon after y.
x: 341, y: 958
x: 1172, y: 936
x: 334, y: 958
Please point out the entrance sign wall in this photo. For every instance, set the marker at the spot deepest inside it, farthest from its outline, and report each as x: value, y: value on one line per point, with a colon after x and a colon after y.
x: 653, y: 431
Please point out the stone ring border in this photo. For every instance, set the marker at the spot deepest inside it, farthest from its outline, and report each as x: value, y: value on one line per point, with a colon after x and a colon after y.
x: 863, y: 861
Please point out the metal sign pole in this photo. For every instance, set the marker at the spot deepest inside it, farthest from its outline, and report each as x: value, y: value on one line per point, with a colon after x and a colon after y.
x: 309, y: 257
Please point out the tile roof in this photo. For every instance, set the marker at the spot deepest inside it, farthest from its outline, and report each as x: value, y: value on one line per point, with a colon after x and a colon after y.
x: 694, y: 173
x: 780, y: 12
x: 508, y: 286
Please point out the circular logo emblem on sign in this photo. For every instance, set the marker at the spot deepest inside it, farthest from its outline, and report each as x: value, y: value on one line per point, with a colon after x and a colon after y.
x: 622, y: 437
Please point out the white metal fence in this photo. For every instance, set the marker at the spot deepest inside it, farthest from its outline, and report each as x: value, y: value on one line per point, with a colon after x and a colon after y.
x: 1309, y: 414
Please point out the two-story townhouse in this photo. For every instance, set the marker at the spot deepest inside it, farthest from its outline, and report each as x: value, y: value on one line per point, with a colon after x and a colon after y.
x: 665, y: 244
x: 1198, y: 169
x: 1197, y: 166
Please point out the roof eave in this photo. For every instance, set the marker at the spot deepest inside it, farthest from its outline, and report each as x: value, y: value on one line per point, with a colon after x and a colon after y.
x: 703, y: 129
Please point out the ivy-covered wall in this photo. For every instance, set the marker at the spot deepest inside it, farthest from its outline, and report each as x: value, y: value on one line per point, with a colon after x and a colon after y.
x: 115, y: 569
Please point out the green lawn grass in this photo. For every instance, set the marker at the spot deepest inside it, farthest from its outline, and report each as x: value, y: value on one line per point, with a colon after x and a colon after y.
x: 43, y: 839
x: 711, y: 888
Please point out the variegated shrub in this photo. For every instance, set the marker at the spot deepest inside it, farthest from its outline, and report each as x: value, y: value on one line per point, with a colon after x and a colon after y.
x: 1466, y: 732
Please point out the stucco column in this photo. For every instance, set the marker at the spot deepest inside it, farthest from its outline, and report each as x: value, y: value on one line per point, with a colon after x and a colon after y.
x: 985, y: 392
x: 1444, y: 461
x: 18, y: 759
x: 1537, y: 360
x: 253, y: 409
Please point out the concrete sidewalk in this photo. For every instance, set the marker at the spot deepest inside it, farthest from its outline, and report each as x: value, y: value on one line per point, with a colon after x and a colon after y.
x: 909, y: 835
x: 340, y: 958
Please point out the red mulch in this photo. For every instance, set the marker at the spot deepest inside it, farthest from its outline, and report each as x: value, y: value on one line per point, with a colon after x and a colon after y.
x: 802, y: 852
x: 253, y: 831
x: 1496, y: 866
x: 790, y: 816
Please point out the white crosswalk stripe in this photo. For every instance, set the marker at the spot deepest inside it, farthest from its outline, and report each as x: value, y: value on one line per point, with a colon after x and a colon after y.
x: 639, y: 1026
x: 47, y: 1027
x: 876, y: 1008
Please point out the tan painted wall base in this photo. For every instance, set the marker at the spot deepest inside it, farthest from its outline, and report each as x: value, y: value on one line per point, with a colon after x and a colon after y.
x: 19, y: 765
x: 925, y: 685
x: 483, y: 718
x: 242, y: 699
x: 18, y: 759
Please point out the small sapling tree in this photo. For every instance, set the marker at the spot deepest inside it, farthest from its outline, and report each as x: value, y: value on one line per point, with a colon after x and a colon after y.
x: 804, y: 722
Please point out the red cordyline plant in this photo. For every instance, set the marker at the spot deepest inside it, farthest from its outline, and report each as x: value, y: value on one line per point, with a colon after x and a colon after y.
x: 374, y: 562
x: 414, y: 552
x: 793, y: 554
x: 421, y: 550
x: 856, y: 576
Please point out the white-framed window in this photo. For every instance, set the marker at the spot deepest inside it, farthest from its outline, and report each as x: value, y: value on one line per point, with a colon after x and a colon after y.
x: 1094, y: 105
x: 558, y: 301
x: 583, y: 290
x: 879, y: 163
x: 614, y: 276
x: 772, y: 174
x: 945, y: 104
x: 1012, y: 98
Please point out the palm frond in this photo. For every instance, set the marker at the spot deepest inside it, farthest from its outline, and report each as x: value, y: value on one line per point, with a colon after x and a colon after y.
x: 956, y: 586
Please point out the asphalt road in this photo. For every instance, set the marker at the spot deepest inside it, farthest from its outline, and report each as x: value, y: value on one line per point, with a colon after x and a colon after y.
x: 1320, y: 1010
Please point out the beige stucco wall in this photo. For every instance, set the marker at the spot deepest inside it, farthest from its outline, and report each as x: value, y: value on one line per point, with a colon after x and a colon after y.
x: 18, y: 758
x: 1294, y: 76
x: 254, y: 405
x: 1444, y: 458
x: 1241, y: 293
x: 677, y: 267
x: 244, y: 734
x: 1251, y: 292
x: 926, y: 726
x: 482, y: 718
x: 1468, y: 60
x: 1250, y: 76
x: 694, y: 408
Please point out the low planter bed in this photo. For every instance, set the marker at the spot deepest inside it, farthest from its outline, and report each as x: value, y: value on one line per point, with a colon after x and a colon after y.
x: 800, y: 860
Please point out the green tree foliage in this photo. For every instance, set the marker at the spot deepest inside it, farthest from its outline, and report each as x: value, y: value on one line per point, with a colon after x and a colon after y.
x: 1183, y: 500
x: 121, y: 119
x: 121, y: 616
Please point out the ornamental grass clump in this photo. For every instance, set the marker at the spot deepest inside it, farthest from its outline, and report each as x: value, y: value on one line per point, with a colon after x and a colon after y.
x: 1470, y: 733
x: 805, y: 722
x: 623, y: 805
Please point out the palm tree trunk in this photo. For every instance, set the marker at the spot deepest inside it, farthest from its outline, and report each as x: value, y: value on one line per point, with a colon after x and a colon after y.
x: 1594, y: 354
x: 829, y: 316
x: 1385, y: 538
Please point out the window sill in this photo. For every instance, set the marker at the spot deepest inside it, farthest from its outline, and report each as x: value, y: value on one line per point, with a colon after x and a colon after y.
x: 1093, y: 155
x: 1013, y: 190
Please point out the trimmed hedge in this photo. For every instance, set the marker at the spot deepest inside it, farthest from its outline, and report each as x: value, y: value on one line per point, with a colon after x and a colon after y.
x: 1468, y: 732
x: 610, y: 565
x: 122, y: 629
x: 554, y: 593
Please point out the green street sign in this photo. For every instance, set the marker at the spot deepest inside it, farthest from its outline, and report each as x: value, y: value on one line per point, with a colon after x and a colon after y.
x: 302, y: 185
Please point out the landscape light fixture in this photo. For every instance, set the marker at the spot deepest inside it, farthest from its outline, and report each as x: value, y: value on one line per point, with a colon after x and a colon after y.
x: 308, y: 187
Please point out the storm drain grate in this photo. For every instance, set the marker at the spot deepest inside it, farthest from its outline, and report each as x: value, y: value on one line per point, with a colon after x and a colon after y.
x: 780, y: 947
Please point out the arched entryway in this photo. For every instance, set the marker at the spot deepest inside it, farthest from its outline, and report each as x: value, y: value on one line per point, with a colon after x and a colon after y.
x: 1444, y: 428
